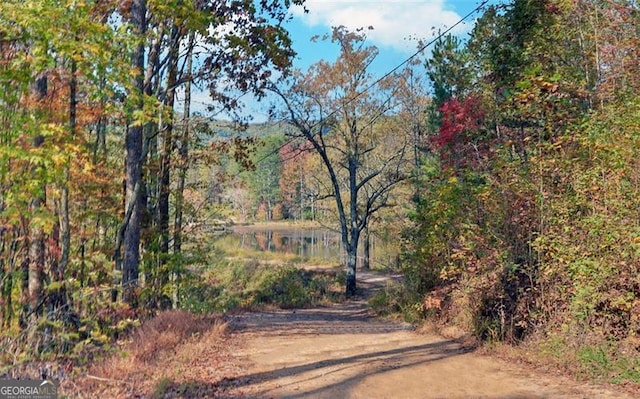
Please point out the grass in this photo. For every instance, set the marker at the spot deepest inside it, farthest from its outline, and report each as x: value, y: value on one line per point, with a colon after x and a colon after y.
x: 229, y: 246
x: 241, y: 284
x: 604, y: 361
x: 157, y: 357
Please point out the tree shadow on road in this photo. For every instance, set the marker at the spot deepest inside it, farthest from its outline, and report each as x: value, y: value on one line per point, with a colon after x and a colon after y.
x: 376, y: 362
x: 347, y: 318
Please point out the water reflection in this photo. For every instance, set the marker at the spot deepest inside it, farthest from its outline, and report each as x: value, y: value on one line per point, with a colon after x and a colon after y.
x: 306, y: 243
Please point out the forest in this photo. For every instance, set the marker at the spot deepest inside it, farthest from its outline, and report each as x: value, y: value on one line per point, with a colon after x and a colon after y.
x: 507, y: 161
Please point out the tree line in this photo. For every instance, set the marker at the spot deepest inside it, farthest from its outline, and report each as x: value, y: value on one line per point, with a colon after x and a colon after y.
x: 526, y: 208
x: 96, y: 149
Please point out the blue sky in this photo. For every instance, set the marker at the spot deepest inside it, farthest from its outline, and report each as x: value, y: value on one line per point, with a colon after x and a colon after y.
x: 397, y: 25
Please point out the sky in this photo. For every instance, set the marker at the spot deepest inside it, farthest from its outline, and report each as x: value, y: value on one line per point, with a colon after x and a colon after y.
x: 397, y: 26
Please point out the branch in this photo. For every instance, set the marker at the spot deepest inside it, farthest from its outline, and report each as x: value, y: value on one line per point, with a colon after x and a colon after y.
x: 320, y: 147
x: 372, y: 175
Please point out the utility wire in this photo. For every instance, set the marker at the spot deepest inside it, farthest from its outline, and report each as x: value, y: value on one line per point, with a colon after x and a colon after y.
x: 414, y: 55
x: 377, y: 81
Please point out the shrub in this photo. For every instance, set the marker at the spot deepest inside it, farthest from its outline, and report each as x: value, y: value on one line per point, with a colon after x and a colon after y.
x: 233, y: 284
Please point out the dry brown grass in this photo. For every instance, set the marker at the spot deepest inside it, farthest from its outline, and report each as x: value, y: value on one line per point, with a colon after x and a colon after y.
x: 166, y: 331
x: 174, y: 349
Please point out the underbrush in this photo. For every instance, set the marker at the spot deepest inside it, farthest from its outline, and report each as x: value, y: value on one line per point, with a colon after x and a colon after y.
x: 57, y: 342
x: 123, y: 367
x: 394, y: 299
x: 587, y: 355
x: 236, y: 284
x: 151, y: 355
x: 60, y: 349
x: 167, y: 330
x: 564, y: 343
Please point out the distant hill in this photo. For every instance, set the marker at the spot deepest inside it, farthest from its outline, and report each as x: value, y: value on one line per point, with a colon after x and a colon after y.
x: 226, y: 129
x: 209, y: 130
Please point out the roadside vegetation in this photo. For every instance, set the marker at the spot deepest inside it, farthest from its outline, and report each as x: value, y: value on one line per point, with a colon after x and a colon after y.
x: 525, y: 228
x: 164, y: 357
x: 236, y: 284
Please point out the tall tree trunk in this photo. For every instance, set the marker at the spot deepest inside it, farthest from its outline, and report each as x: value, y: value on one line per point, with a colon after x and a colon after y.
x: 133, y: 164
x: 35, y: 268
x: 151, y: 174
x: 65, y: 227
x: 36, y: 260
x: 268, y: 216
x: 149, y: 189
x: 352, y: 262
x: 352, y: 249
x: 167, y: 148
x: 366, y: 255
x: 6, y: 287
x: 183, y: 152
x: 58, y: 298
x: 300, y: 192
x: 164, y: 178
x: 24, y: 291
x: 99, y: 154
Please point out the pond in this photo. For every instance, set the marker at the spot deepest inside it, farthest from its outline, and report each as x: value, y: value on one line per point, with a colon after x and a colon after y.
x: 308, y: 243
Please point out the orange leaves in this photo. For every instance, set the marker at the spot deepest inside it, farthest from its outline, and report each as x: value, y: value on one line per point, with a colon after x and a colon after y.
x: 295, y: 178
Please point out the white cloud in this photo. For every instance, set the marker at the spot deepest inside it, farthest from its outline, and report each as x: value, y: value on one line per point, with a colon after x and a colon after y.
x: 394, y: 21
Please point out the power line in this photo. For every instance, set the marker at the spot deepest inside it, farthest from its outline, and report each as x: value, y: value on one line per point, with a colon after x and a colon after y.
x: 383, y: 77
x: 414, y: 55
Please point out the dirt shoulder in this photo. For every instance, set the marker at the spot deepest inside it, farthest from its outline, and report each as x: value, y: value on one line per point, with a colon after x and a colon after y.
x: 343, y: 351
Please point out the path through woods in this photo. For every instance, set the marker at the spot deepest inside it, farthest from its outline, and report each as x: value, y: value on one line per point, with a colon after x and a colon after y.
x: 340, y: 351
x: 344, y: 352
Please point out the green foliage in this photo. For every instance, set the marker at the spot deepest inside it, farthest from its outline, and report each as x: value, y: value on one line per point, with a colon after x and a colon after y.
x: 603, y: 361
x: 441, y: 246
x: 232, y: 284
x: 448, y: 69
x: 265, y: 177
x: 161, y: 388
x: 395, y: 298
x: 536, y: 241
x: 536, y: 238
x: 586, y: 245
x: 288, y: 287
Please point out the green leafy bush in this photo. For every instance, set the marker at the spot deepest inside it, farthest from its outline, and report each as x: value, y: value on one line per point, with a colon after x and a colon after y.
x: 232, y: 284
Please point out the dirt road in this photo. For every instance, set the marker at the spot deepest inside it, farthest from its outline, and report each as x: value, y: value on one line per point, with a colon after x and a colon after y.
x: 344, y: 352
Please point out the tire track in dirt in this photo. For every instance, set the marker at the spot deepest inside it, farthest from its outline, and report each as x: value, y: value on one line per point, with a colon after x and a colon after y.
x: 343, y: 351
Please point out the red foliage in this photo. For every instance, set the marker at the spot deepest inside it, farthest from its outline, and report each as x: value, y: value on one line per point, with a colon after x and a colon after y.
x: 458, y: 117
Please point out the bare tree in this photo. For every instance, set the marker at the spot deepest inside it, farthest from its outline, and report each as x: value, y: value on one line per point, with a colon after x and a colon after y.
x: 344, y: 115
